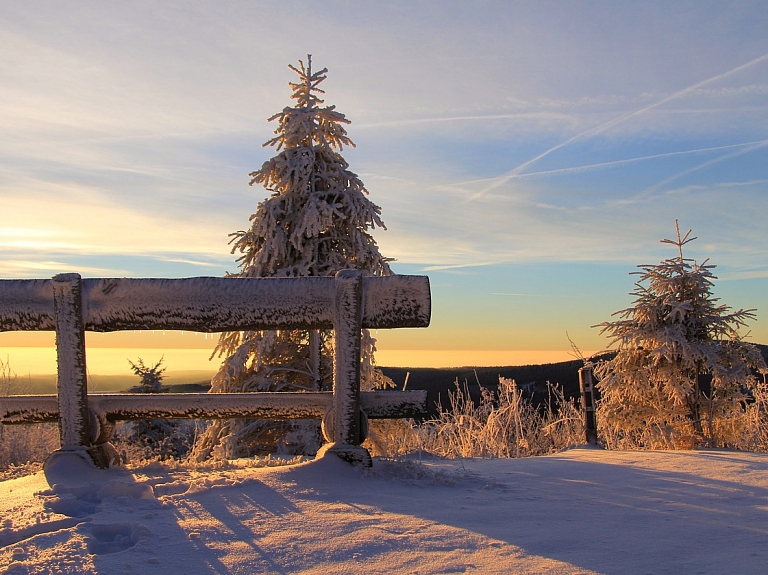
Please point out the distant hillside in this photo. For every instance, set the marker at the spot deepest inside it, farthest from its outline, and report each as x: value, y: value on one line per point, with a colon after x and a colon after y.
x: 531, y: 379
x: 178, y: 381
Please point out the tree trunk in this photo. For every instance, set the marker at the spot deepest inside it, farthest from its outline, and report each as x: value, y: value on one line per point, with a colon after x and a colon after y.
x: 694, y: 412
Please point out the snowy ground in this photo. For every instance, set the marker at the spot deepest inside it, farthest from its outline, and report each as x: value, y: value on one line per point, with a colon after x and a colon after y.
x: 580, y: 511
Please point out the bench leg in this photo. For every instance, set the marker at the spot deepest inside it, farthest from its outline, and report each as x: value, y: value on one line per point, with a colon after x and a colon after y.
x: 346, y: 428
x: 72, y: 383
x: 70, y: 350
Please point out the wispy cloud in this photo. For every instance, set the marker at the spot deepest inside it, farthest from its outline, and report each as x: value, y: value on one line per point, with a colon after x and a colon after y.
x: 558, y: 295
x: 10, y: 268
x: 461, y: 266
x: 750, y: 148
x: 470, y: 118
x: 729, y: 184
x: 205, y: 264
x: 616, y: 121
x: 745, y: 275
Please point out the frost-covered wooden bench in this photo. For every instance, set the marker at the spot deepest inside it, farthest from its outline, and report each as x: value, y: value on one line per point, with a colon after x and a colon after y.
x: 346, y: 303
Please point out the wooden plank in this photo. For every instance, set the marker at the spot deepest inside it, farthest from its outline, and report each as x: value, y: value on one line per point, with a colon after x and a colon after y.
x: 396, y: 301
x: 133, y: 406
x: 24, y: 409
x: 215, y: 304
x: 393, y: 404
x: 26, y: 305
x: 209, y: 304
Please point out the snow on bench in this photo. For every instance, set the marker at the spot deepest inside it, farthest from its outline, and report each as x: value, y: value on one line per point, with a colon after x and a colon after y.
x: 346, y: 303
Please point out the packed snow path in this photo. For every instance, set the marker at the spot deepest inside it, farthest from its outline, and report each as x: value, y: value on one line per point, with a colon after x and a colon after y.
x: 580, y: 511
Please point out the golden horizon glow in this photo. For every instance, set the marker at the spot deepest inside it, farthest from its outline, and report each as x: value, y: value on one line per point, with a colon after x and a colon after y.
x: 41, y: 360
x: 25, y: 361
x: 149, y: 339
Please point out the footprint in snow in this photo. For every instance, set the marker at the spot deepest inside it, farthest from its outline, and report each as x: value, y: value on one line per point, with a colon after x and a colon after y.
x: 105, y: 538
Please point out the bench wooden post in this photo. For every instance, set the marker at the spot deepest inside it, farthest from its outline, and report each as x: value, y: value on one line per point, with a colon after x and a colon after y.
x: 346, y: 416
x: 72, y: 383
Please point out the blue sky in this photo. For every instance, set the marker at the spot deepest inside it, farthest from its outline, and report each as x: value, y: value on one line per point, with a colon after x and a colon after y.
x: 526, y: 155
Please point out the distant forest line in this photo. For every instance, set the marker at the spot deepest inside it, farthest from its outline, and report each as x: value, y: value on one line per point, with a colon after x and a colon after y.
x: 531, y: 379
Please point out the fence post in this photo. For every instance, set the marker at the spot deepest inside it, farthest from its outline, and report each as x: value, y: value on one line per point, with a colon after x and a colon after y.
x: 346, y: 427
x: 587, y: 385
x: 70, y: 349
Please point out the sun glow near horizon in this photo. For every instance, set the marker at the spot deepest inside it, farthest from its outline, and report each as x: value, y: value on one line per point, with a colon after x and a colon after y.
x: 41, y: 360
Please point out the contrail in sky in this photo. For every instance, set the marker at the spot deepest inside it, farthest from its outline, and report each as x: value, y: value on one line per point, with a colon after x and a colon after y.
x: 576, y: 169
x: 611, y: 123
x: 416, y: 121
x: 754, y: 146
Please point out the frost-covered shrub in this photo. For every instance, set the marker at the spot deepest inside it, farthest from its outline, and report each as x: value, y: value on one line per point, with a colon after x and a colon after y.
x: 23, y: 448
x: 502, y: 424
x: 315, y: 222
x: 682, y: 376
x: 153, y: 438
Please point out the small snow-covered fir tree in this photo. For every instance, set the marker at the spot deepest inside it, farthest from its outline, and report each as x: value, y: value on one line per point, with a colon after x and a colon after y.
x: 151, y: 377
x: 682, y: 370
x: 315, y: 222
x: 155, y: 437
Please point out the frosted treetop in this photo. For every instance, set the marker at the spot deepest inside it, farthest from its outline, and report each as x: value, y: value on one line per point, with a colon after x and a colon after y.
x: 307, y: 124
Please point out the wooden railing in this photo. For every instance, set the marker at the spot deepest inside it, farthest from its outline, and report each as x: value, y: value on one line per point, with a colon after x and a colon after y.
x: 70, y: 305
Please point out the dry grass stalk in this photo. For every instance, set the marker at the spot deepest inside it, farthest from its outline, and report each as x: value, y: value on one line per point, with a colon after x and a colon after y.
x: 23, y: 448
x: 501, y: 425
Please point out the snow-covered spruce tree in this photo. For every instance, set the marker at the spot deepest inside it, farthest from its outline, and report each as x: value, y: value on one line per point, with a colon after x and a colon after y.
x: 315, y: 222
x: 681, y: 373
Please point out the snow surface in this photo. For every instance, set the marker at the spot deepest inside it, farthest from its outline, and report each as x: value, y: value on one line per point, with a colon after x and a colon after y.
x: 579, y: 511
